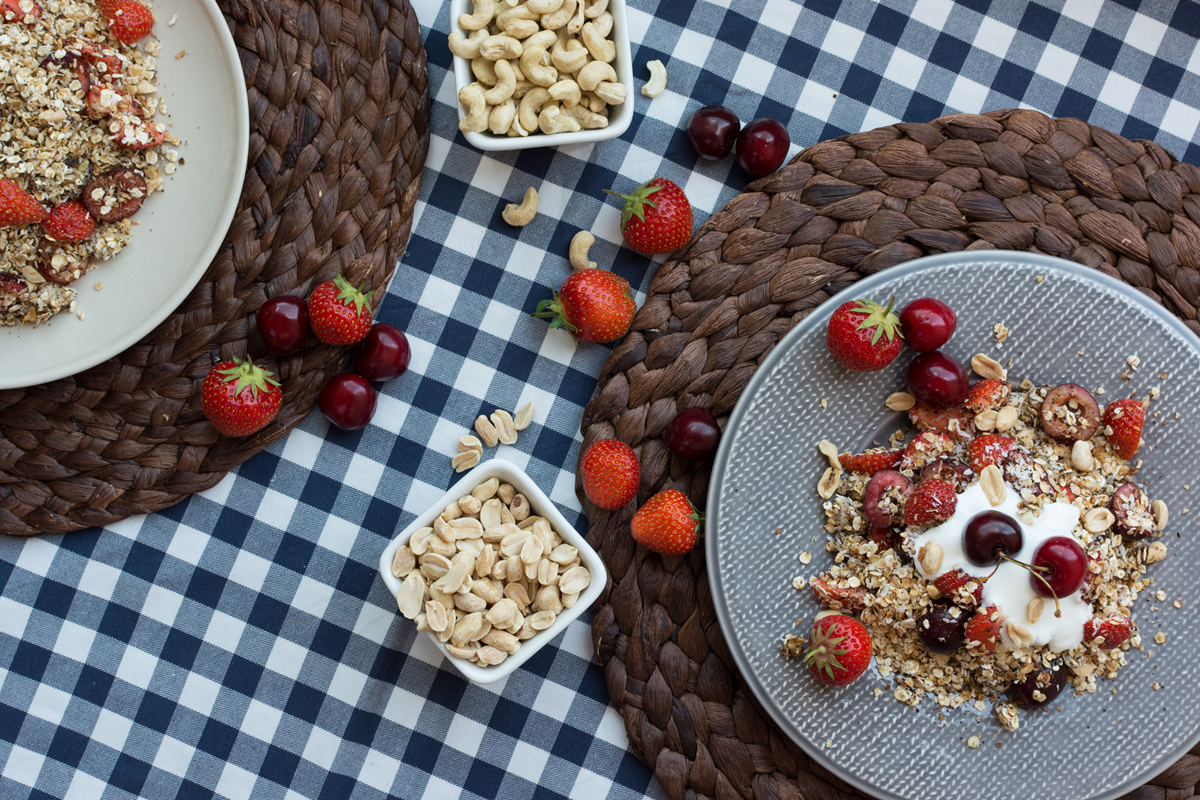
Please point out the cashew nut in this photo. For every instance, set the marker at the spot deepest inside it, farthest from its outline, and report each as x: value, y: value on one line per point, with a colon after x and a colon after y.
x: 467, y: 48
x: 508, y: 15
x: 658, y: 79
x: 476, y: 119
x: 534, y: 63
x: 580, y: 244
x: 494, y: 48
x: 484, y: 11
x: 521, y: 28
x: 604, y: 24
x: 600, y: 48
x: 590, y: 120
x: 506, y: 84
x: 484, y: 70
x: 611, y: 93
x: 502, y: 116
x: 516, y: 129
x: 576, y: 23
x: 523, y: 87
x: 566, y: 92
x: 544, y: 6
x: 555, y: 20
x: 531, y: 104
x: 569, y: 57
x: 523, y: 214
x: 553, y: 120
x: 594, y: 103
x: 595, y: 8
x: 542, y: 39
x: 593, y: 73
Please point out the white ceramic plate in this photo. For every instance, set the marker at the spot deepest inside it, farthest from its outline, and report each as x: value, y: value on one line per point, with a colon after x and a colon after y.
x: 178, y: 230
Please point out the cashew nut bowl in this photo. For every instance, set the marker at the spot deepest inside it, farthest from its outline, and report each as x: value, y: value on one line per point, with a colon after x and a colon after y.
x: 507, y: 473
x: 492, y: 96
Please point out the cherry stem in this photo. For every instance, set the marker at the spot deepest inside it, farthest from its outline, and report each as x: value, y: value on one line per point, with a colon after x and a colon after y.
x: 1035, y: 572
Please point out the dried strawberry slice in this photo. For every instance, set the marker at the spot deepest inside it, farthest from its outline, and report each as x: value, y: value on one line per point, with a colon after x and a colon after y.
x: 884, y: 496
x: 1131, y: 507
x: 953, y: 421
x: 11, y: 283
x: 59, y: 264
x: 1070, y: 413
x: 115, y: 195
x: 73, y: 62
x: 837, y: 594
x: 136, y: 133
x: 11, y: 11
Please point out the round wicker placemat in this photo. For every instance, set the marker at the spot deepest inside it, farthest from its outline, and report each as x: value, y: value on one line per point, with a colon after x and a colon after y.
x: 339, y: 129
x: 840, y: 210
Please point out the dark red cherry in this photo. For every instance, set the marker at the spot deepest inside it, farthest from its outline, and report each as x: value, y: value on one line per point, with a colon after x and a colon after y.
x: 283, y: 323
x: 348, y: 401
x: 942, y: 628
x: 383, y: 354
x: 927, y: 324
x: 937, y: 380
x: 762, y: 146
x: 1060, y: 560
x: 1046, y: 682
x: 693, y: 434
x: 712, y: 131
x: 990, y: 534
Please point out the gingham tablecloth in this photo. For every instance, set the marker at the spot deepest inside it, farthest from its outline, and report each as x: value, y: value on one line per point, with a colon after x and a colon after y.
x: 241, y: 644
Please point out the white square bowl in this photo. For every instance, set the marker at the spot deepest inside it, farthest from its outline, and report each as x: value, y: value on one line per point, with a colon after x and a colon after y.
x: 506, y: 472
x: 620, y: 117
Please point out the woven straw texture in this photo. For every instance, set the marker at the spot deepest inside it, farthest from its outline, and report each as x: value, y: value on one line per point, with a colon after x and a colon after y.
x: 840, y: 210
x: 339, y: 130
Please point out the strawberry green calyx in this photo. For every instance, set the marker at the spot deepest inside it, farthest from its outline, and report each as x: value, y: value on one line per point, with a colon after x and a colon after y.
x: 553, y: 310
x: 248, y: 376
x: 822, y: 652
x: 881, y: 319
x: 636, y: 202
x: 348, y: 294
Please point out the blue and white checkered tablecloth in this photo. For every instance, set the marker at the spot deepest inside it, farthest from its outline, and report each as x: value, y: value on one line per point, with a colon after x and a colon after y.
x: 241, y: 644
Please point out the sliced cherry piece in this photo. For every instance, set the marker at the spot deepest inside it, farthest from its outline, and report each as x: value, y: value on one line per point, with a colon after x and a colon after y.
x: 1041, y: 686
x: 942, y: 628
x: 884, y: 496
x: 11, y: 283
x: 1070, y: 414
x: 1131, y: 507
x: 59, y: 264
x: 990, y: 534
x: 946, y: 470
x: 115, y: 195
x: 1061, y: 563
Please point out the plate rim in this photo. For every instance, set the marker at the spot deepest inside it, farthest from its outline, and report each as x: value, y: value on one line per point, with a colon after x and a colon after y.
x: 60, y: 370
x: 712, y: 517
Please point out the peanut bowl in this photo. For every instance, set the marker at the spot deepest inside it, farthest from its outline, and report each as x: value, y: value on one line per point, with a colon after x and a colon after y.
x: 619, y: 115
x: 523, y: 623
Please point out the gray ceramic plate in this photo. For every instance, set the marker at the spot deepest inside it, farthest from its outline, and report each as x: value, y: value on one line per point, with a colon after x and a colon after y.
x: 179, y: 230
x: 765, y: 476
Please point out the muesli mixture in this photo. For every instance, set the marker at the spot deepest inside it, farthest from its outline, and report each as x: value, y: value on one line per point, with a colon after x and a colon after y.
x: 936, y: 541
x: 79, y: 146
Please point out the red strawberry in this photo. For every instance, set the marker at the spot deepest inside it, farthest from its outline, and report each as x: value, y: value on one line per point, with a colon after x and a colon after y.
x: 882, y: 537
x: 863, y: 335
x: 983, y: 629
x: 953, y: 421
x: 667, y: 523
x: 871, y: 461
x: 595, y: 305
x: 925, y: 447
x: 136, y: 133
x: 657, y: 217
x: 949, y: 584
x: 839, y: 650
x: 610, y: 472
x: 12, y: 11
x: 838, y: 594
x: 988, y: 393
x: 17, y: 206
x: 1114, y: 629
x: 932, y: 501
x: 991, y: 448
x: 69, y: 222
x: 128, y: 20
x: 1125, y: 418
x: 339, y: 313
x: 240, y: 398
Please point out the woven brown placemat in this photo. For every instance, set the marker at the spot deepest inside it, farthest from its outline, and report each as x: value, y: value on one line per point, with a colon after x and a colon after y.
x: 840, y: 210
x: 339, y: 129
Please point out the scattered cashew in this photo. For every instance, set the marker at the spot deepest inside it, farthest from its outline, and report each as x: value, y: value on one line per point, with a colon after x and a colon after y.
x: 506, y: 84
x: 523, y: 214
x: 595, y: 8
x: 542, y: 39
x: 484, y: 70
x: 580, y: 244
x: 611, y: 93
x: 500, y: 46
x: 531, y: 105
x: 601, y: 49
x: 557, y: 19
x: 467, y: 48
x: 521, y: 28
x: 658, y: 79
x: 484, y: 11
x: 534, y: 63
x: 502, y: 117
x: 476, y: 119
x: 593, y: 73
x: 566, y: 92
x: 590, y: 120
x: 553, y: 120
x: 569, y: 56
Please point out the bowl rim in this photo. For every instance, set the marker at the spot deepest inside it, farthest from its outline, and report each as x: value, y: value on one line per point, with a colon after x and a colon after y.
x: 623, y: 64
x: 507, y: 472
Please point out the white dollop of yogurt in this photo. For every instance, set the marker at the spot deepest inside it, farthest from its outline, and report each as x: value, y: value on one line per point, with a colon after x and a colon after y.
x: 1010, y: 589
